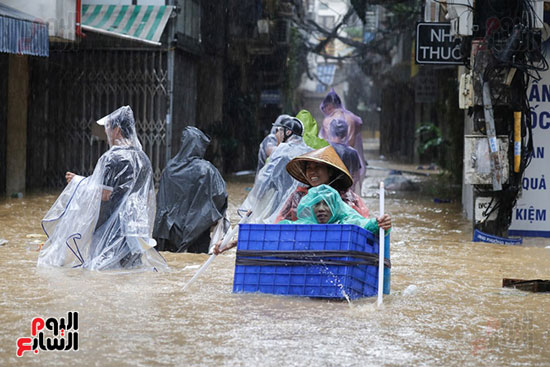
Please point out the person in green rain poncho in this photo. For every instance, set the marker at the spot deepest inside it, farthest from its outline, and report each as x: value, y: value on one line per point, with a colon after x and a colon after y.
x: 323, y: 205
x: 311, y: 130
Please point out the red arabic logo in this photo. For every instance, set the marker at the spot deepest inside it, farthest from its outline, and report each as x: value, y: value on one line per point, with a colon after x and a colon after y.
x: 62, y: 339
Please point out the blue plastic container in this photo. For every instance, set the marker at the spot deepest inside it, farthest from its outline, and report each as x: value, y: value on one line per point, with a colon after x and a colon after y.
x: 323, y: 276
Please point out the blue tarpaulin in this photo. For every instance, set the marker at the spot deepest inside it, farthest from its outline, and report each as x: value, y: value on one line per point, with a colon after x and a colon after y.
x: 22, y: 34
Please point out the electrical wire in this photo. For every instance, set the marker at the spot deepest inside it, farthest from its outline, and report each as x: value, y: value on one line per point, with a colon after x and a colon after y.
x: 505, y: 53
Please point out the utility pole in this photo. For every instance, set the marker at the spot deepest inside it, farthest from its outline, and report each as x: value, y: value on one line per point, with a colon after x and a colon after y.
x: 170, y: 62
x: 501, y: 48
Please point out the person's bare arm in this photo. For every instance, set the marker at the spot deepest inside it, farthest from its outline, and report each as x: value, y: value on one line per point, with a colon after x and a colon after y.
x: 106, y: 195
x: 229, y: 245
x: 69, y: 176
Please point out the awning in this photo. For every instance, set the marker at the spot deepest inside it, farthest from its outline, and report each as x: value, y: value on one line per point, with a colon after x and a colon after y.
x: 143, y: 23
x: 22, y: 34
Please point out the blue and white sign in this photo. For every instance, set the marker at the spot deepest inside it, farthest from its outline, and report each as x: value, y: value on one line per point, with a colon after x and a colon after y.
x: 531, y: 216
x: 484, y: 237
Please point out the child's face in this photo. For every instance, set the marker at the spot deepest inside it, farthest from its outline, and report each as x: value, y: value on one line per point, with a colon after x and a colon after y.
x: 322, y: 212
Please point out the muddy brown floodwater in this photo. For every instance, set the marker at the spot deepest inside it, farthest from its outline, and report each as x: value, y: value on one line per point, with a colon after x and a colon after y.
x: 446, y: 308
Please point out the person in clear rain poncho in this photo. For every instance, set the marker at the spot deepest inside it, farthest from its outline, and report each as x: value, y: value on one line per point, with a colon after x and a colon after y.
x: 273, y: 184
x: 268, y: 145
x: 105, y: 221
x: 323, y: 205
x: 310, y: 132
x: 191, y: 197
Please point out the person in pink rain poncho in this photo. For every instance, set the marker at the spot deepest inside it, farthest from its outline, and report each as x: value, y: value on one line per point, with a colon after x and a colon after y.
x: 333, y: 108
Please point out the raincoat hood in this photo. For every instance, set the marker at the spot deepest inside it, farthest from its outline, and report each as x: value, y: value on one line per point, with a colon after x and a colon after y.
x: 311, y: 130
x: 333, y: 98
x: 120, y: 128
x: 193, y: 143
x: 305, y: 211
x: 192, y: 194
x: 341, y: 213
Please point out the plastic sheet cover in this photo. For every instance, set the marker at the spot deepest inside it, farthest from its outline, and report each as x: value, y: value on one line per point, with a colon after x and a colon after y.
x: 354, y: 122
x: 192, y: 195
x: 266, y: 148
x: 341, y: 213
x: 311, y: 130
x: 338, y: 132
x: 273, y: 184
x: 105, y: 221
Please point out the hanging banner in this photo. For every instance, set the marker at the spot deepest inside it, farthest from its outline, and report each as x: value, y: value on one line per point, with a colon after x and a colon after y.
x: 530, y: 217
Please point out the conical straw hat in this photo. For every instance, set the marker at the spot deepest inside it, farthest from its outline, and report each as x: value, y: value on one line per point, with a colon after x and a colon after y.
x: 341, y: 180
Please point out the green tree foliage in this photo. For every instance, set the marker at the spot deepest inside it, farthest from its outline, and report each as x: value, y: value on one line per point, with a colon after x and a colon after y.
x: 430, y: 137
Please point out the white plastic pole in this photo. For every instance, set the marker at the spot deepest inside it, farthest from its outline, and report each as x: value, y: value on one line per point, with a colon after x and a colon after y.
x: 381, y: 245
x: 266, y: 202
x: 204, y: 266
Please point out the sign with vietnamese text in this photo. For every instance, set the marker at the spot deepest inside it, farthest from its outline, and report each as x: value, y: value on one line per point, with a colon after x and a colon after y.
x: 436, y: 45
x: 531, y: 215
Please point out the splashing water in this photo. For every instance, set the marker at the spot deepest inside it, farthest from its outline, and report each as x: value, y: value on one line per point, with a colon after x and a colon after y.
x: 336, y: 281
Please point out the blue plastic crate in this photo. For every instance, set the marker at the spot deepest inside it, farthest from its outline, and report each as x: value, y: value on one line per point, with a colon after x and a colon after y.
x: 261, y: 267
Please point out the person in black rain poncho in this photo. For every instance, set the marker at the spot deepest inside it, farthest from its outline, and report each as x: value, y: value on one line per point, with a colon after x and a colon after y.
x: 191, y: 197
x: 105, y: 221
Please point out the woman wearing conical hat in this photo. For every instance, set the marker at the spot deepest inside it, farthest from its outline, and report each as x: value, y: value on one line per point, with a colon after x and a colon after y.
x: 324, y: 167
x: 320, y: 167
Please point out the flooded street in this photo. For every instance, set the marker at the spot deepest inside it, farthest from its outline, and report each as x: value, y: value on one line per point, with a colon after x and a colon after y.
x: 447, y: 305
